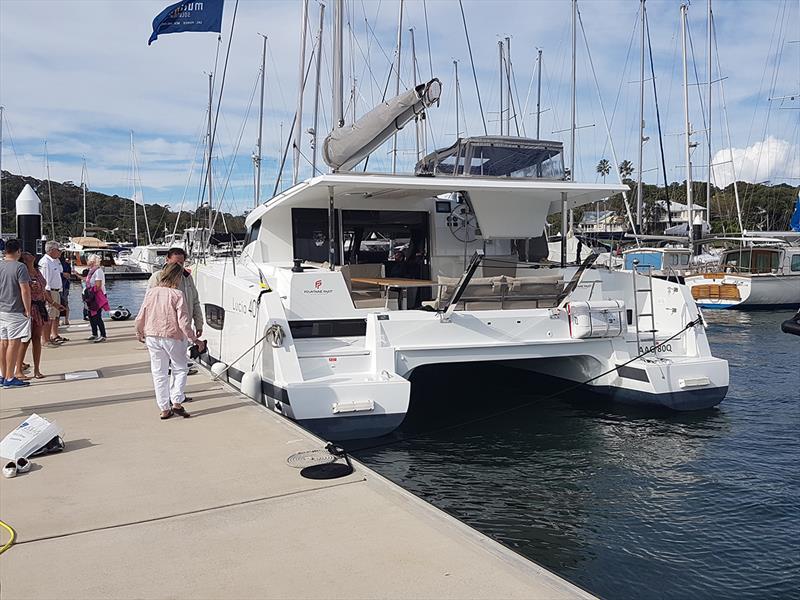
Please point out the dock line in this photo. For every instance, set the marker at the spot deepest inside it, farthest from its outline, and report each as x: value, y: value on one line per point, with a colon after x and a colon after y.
x: 173, y: 516
x: 11, y: 540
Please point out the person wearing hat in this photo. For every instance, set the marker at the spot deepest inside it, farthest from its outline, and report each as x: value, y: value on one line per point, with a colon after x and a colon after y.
x: 51, y: 269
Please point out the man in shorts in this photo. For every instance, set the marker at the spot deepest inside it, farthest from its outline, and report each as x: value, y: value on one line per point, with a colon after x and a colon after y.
x: 15, y: 313
x: 51, y: 269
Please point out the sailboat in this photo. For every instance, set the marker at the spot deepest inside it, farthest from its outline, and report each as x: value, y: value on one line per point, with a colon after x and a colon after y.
x: 307, y: 322
x: 762, y: 272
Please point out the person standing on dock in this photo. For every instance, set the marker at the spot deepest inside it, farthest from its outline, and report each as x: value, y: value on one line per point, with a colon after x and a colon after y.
x: 163, y: 325
x: 15, y: 312
x: 51, y: 269
x: 41, y: 301
x: 95, y: 297
x: 187, y: 287
x: 66, y: 275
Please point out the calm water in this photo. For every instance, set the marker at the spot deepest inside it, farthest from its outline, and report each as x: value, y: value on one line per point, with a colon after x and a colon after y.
x: 626, y: 504
x: 125, y: 293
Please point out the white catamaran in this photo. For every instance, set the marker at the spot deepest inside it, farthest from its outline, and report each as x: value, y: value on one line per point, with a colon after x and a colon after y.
x: 321, y: 324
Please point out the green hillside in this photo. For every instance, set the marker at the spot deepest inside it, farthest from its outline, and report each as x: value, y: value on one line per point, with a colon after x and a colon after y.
x: 108, y: 217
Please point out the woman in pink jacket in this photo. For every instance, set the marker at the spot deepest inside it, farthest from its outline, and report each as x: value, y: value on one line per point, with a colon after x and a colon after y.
x: 164, y: 326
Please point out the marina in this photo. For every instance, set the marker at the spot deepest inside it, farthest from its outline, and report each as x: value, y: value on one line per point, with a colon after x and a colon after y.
x: 370, y: 306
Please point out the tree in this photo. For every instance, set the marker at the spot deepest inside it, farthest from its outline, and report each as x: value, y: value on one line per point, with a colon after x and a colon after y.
x: 604, y: 168
x: 626, y: 169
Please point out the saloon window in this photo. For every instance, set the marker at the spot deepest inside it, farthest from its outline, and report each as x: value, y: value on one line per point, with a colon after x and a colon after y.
x: 796, y: 262
x: 215, y: 316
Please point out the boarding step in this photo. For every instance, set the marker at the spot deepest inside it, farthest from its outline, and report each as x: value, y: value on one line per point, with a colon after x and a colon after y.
x: 326, y: 359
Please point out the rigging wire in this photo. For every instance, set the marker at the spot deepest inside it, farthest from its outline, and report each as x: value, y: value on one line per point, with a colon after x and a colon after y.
x: 472, y: 63
x: 658, y: 119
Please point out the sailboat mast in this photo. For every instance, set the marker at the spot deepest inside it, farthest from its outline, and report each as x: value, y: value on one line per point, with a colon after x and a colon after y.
x: 397, y: 79
x: 566, y: 214
x: 257, y: 191
x: 338, y: 72
x: 83, y: 188
x: 539, y: 96
x: 639, y: 189
x: 49, y: 191
x: 317, y: 91
x: 687, y: 125
x: 414, y: 79
x: 708, y: 91
x: 210, y: 149
x: 502, y: 79
x: 298, y: 119
x: 455, y: 66
x: 133, y: 196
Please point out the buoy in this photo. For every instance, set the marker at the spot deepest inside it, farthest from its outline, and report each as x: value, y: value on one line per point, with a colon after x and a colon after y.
x: 120, y: 314
x: 220, y: 371
x: 29, y: 219
x: 251, y: 385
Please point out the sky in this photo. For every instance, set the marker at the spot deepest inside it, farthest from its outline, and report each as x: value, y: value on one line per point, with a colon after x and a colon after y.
x: 79, y: 77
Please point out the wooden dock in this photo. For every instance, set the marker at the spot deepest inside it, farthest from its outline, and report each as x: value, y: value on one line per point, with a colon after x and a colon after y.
x: 208, y: 507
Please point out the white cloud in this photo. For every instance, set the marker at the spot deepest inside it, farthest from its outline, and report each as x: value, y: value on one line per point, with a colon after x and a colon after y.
x: 770, y: 159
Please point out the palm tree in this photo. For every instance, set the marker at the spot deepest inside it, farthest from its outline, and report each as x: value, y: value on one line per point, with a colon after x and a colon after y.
x: 626, y: 169
x: 604, y: 168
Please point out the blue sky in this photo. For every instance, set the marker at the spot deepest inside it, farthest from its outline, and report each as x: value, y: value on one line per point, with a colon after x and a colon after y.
x: 81, y: 76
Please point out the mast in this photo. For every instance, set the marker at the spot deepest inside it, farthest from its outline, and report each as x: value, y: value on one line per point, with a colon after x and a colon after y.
x: 539, y: 96
x: 502, y: 78
x: 210, y: 150
x: 639, y: 190
x: 708, y: 91
x: 414, y: 78
x: 397, y: 79
x: 137, y: 177
x: 455, y: 66
x: 566, y: 215
x: 257, y: 158
x: 687, y: 125
x: 49, y: 191
x: 316, y: 92
x: 133, y: 194
x: 83, y: 188
x: 338, y: 74
x: 298, y: 118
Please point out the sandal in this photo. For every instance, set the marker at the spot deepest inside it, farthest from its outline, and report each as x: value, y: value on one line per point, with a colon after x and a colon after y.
x: 181, y: 412
x: 164, y: 417
x: 39, y: 376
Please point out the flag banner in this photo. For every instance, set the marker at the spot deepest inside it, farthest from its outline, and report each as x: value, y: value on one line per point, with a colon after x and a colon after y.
x: 188, y: 15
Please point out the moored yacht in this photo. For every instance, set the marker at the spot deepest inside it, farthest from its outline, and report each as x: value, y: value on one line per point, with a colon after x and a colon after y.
x: 312, y: 327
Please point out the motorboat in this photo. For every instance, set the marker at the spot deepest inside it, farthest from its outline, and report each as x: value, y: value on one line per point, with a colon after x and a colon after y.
x: 79, y: 249
x: 149, y: 258
x: 760, y: 273
x: 308, y: 321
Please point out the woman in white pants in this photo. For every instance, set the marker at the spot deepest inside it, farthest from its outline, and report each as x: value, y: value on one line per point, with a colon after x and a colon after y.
x: 164, y: 326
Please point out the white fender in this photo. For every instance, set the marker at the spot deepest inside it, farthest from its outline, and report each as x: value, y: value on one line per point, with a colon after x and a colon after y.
x: 251, y: 385
x: 219, y: 371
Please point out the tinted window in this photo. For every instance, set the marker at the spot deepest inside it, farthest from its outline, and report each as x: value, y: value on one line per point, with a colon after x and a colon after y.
x: 252, y: 233
x: 796, y: 262
x: 215, y: 316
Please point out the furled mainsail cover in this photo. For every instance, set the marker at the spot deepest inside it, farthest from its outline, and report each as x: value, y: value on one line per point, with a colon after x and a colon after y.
x: 345, y: 147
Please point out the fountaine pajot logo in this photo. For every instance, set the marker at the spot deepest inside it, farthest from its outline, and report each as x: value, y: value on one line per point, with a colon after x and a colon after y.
x: 318, y: 289
x: 318, y: 284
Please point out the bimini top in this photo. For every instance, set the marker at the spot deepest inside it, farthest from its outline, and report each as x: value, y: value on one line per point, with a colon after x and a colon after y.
x: 497, y: 156
x: 504, y: 208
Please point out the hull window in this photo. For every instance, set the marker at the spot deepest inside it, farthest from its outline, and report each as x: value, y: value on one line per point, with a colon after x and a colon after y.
x: 328, y: 328
x: 215, y: 316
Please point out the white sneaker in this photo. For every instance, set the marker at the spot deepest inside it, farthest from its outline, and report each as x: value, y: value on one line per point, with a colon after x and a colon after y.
x: 23, y: 465
x: 99, y: 339
x: 91, y: 338
x: 10, y: 470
